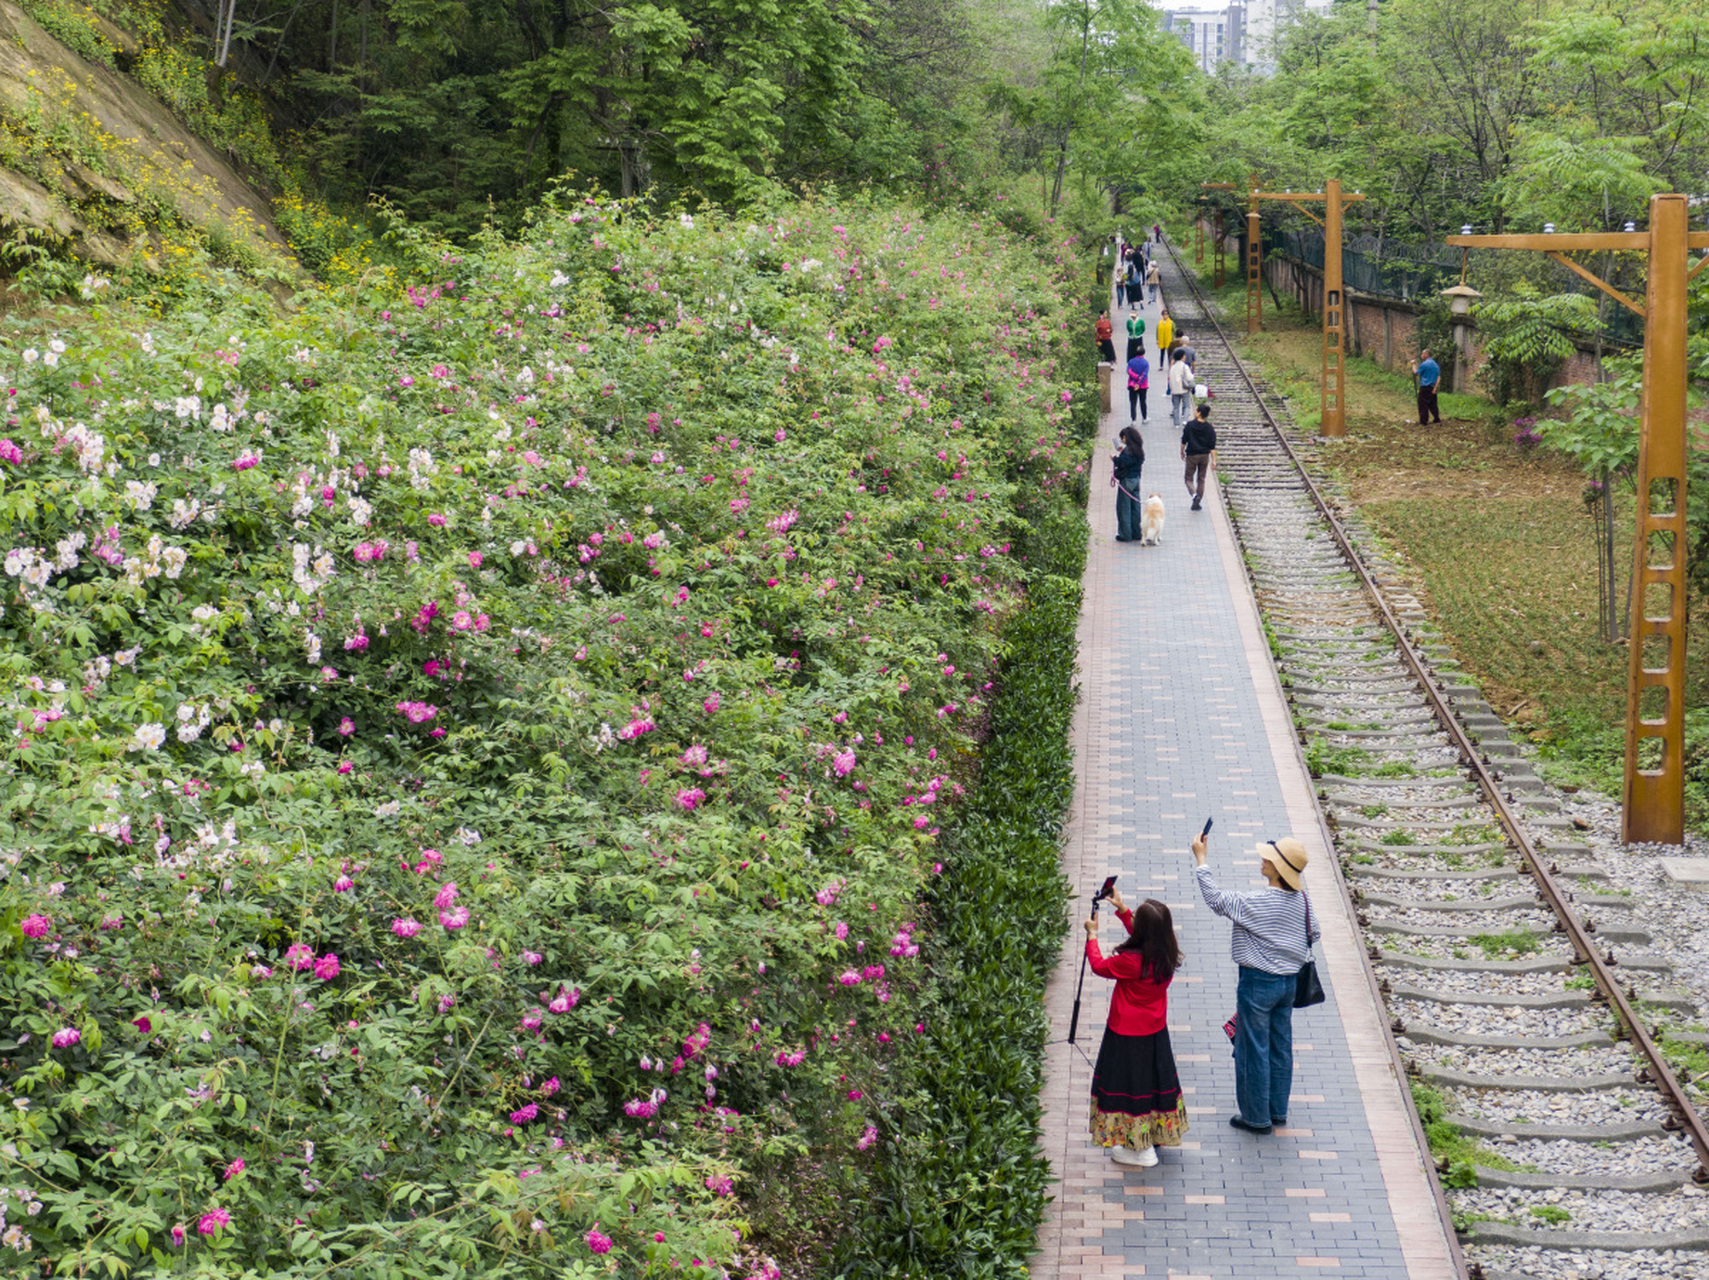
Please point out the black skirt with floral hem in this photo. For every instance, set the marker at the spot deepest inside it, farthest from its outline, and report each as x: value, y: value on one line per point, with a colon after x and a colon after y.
x: 1136, y: 1094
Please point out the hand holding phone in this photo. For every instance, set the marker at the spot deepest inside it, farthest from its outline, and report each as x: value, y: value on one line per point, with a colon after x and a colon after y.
x: 1109, y: 887
x: 1207, y: 829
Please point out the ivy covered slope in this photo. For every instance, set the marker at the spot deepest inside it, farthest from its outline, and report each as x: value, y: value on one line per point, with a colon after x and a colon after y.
x: 477, y: 759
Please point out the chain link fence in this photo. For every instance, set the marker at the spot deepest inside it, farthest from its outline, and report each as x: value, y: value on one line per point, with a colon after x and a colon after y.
x: 1417, y: 273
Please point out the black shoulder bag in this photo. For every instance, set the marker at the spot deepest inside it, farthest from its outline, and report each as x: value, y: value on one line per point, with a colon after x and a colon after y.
x: 1307, y: 989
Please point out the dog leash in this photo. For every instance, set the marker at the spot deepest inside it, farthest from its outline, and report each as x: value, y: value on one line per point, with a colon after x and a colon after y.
x: 1117, y: 484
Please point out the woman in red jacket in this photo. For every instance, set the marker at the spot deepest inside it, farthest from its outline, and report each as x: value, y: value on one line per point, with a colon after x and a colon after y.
x: 1136, y: 1094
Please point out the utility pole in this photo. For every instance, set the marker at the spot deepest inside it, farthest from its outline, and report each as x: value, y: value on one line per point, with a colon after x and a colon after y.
x: 1653, y: 808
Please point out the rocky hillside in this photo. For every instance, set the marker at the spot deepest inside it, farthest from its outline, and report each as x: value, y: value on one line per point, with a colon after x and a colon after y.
x: 115, y: 151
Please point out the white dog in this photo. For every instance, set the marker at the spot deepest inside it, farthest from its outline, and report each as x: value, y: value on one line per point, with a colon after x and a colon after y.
x: 1151, y: 522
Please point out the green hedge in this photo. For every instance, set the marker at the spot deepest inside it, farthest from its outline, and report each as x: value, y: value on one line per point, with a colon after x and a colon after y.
x: 962, y: 1189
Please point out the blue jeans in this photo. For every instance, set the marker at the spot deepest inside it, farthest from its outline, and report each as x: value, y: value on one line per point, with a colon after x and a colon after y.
x: 1264, y: 1045
x: 1127, y: 509
x: 1181, y: 408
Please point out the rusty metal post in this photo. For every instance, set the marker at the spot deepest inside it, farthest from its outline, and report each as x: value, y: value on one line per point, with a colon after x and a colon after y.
x: 1221, y: 255
x: 1199, y: 248
x: 1254, y: 269
x: 1332, y: 417
x: 1654, y: 811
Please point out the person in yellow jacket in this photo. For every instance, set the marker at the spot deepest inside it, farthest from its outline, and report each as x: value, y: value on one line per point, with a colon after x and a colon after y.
x: 1165, y: 338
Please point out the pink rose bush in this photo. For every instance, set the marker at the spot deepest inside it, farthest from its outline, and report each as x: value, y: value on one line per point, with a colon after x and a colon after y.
x: 393, y: 621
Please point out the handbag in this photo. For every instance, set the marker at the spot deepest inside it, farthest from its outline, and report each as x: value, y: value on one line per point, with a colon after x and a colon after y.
x: 1307, y: 989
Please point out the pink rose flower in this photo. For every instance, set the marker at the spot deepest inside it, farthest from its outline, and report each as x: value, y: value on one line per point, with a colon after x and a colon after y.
x: 36, y: 926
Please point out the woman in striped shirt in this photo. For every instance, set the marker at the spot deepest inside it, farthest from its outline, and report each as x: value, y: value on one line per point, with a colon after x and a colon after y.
x: 1273, y: 933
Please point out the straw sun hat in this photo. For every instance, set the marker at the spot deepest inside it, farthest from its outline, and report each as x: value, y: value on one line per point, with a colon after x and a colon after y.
x: 1288, y: 856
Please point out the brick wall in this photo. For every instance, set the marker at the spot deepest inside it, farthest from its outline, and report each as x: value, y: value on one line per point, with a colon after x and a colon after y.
x: 1386, y: 329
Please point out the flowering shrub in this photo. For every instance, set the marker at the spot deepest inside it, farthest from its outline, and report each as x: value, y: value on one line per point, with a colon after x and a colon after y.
x: 477, y: 761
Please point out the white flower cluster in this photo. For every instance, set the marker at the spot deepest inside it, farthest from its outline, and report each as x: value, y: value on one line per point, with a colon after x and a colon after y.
x: 148, y: 737
x: 140, y: 494
x: 14, y: 1236
x: 192, y: 721
x: 421, y: 468
x: 157, y: 558
x: 201, y: 616
x: 89, y: 446
x: 184, y: 513
x: 67, y: 549
x: 55, y: 350
x: 361, y: 511
x: 28, y: 563
x: 310, y: 569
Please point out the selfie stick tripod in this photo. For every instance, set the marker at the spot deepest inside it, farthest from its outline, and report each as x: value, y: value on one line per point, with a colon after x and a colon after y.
x: 1074, y: 1019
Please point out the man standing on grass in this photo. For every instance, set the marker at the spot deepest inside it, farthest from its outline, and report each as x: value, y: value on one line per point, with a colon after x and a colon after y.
x: 1428, y: 375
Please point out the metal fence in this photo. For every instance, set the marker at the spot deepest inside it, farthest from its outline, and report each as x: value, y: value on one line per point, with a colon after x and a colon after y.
x: 1385, y: 269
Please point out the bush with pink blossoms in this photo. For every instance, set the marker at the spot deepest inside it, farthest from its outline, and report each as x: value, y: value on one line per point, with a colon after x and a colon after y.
x: 680, y: 714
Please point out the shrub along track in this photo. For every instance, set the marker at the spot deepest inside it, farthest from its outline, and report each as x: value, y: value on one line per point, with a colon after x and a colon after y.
x: 1516, y: 984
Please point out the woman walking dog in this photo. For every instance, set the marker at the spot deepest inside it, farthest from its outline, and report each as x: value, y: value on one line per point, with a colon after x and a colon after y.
x: 1136, y: 1094
x: 1126, y: 470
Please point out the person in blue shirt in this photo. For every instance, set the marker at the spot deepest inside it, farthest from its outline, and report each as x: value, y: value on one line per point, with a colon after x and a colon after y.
x: 1428, y: 374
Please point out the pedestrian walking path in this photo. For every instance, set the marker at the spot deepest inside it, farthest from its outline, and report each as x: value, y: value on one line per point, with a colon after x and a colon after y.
x: 1182, y: 719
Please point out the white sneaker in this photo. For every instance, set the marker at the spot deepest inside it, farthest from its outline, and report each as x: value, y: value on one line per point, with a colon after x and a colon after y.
x: 1141, y: 1159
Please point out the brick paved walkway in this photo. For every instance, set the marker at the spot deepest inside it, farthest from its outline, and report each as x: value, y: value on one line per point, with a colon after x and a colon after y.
x: 1181, y: 719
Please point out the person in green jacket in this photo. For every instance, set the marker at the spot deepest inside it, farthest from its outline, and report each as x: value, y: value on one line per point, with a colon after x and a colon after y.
x: 1135, y: 335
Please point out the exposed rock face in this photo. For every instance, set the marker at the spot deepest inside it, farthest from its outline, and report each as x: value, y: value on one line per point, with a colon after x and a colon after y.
x: 94, y: 160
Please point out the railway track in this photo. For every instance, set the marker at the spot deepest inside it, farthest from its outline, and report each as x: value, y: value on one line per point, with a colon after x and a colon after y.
x: 1521, y: 986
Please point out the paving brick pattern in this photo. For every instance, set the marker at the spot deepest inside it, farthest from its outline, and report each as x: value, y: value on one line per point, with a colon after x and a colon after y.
x: 1181, y: 719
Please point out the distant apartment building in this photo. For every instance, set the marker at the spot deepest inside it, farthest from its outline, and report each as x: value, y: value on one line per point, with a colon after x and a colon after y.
x: 1241, y: 32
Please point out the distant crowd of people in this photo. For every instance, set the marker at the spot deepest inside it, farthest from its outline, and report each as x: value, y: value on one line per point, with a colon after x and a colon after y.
x: 1138, y: 282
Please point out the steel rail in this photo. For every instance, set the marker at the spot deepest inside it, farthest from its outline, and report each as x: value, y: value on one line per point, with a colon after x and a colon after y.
x: 1582, y: 937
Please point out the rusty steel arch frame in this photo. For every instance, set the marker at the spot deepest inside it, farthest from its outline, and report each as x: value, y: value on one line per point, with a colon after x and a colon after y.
x: 1653, y: 800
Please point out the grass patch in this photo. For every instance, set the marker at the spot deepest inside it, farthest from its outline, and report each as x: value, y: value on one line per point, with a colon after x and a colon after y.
x: 1394, y: 769
x: 1501, y: 544
x: 1457, y: 1156
x: 1517, y: 942
x: 1349, y: 762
